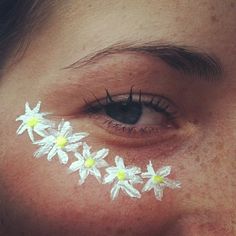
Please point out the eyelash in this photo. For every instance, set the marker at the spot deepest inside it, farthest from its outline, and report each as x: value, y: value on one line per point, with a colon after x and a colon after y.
x: 157, y: 103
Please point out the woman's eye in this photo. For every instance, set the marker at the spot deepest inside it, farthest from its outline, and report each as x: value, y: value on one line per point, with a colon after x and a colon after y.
x: 125, y: 112
x: 134, y: 113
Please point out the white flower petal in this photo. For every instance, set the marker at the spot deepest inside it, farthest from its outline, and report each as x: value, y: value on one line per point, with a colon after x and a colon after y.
x: 158, y: 192
x: 173, y: 184
x: 65, y: 128
x: 21, y: 118
x: 42, y: 151
x: 146, y: 175
x: 77, y: 137
x: 150, y: 168
x: 61, y: 124
x: 63, y: 157
x: 79, y: 156
x: 108, y: 178
x: 53, y: 132
x: 46, y: 122
x: 83, y: 175
x: 48, y: 140
x: 30, y: 133
x: 95, y: 172
x: 148, y: 186
x: 136, y: 180
x: 115, y: 191
x: 27, y: 108
x: 86, y: 150
x: 164, y: 171
x: 52, y: 153
x: 40, y: 132
x: 101, y: 163
x: 130, y: 190
x: 101, y: 153
x: 76, y: 166
x: 133, y: 170
x: 72, y: 147
x: 41, y: 126
x: 21, y: 129
x: 119, y: 162
x: 112, y: 170
x: 37, y: 108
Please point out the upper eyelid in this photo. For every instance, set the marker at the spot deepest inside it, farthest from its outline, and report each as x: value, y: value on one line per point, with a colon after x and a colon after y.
x: 121, y: 96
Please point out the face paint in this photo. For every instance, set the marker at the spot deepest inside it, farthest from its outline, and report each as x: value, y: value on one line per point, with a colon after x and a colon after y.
x: 123, y: 178
x: 89, y: 163
x: 61, y: 141
x: 158, y: 180
x: 33, y: 121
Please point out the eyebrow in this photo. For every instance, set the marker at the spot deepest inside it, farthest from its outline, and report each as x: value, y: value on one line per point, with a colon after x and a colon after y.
x: 184, y: 59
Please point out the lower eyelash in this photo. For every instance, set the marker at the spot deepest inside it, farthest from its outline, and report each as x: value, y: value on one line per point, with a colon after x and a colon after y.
x: 131, y: 131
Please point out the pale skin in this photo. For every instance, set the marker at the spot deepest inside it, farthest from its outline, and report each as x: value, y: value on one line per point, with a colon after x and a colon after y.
x: 38, y: 197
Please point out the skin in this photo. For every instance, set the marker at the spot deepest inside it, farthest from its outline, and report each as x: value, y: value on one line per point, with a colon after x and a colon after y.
x: 38, y: 197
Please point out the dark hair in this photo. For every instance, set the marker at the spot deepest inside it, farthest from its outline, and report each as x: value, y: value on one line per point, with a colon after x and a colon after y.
x: 18, y: 18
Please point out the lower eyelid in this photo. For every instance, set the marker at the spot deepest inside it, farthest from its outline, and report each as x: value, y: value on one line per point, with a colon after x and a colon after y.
x: 134, y: 132
x: 164, y: 145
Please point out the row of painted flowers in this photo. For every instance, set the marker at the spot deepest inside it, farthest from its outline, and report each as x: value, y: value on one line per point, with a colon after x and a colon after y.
x: 59, y: 142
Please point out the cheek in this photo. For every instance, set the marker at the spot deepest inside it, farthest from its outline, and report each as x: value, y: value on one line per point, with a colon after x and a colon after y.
x: 37, y: 195
x: 41, y: 197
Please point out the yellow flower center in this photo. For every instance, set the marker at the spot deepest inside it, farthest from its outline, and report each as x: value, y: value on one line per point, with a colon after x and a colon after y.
x: 61, y: 141
x: 157, y: 179
x: 121, y: 175
x: 90, y: 162
x: 32, y: 122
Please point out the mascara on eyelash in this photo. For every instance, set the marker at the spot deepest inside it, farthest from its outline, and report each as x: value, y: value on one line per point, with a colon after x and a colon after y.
x: 157, y: 102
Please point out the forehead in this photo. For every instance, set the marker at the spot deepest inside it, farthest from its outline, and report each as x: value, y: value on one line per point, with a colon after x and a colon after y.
x: 79, y: 28
x: 97, y: 24
x: 152, y: 19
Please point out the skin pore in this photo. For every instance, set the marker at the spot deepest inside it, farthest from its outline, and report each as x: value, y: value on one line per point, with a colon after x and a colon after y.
x: 38, y: 197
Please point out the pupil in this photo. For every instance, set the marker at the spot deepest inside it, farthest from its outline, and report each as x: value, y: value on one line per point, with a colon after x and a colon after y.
x: 128, y: 113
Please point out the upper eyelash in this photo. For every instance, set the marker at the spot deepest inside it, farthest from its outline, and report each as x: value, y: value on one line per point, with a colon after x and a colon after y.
x: 129, y: 99
x: 157, y: 102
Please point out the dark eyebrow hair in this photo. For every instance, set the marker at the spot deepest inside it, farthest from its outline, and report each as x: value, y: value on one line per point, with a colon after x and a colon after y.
x: 182, y: 58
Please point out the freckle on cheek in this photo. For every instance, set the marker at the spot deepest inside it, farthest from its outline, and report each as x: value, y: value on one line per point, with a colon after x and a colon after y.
x: 190, y: 180
x: 197, y: 159
x: 187, y: 196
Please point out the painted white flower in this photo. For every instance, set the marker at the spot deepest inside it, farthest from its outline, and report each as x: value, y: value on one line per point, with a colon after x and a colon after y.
x: 124, y: 178
x: 158, y: 180
x: 89, y: 163
x: 59, y: 142
x: 33, y: 120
